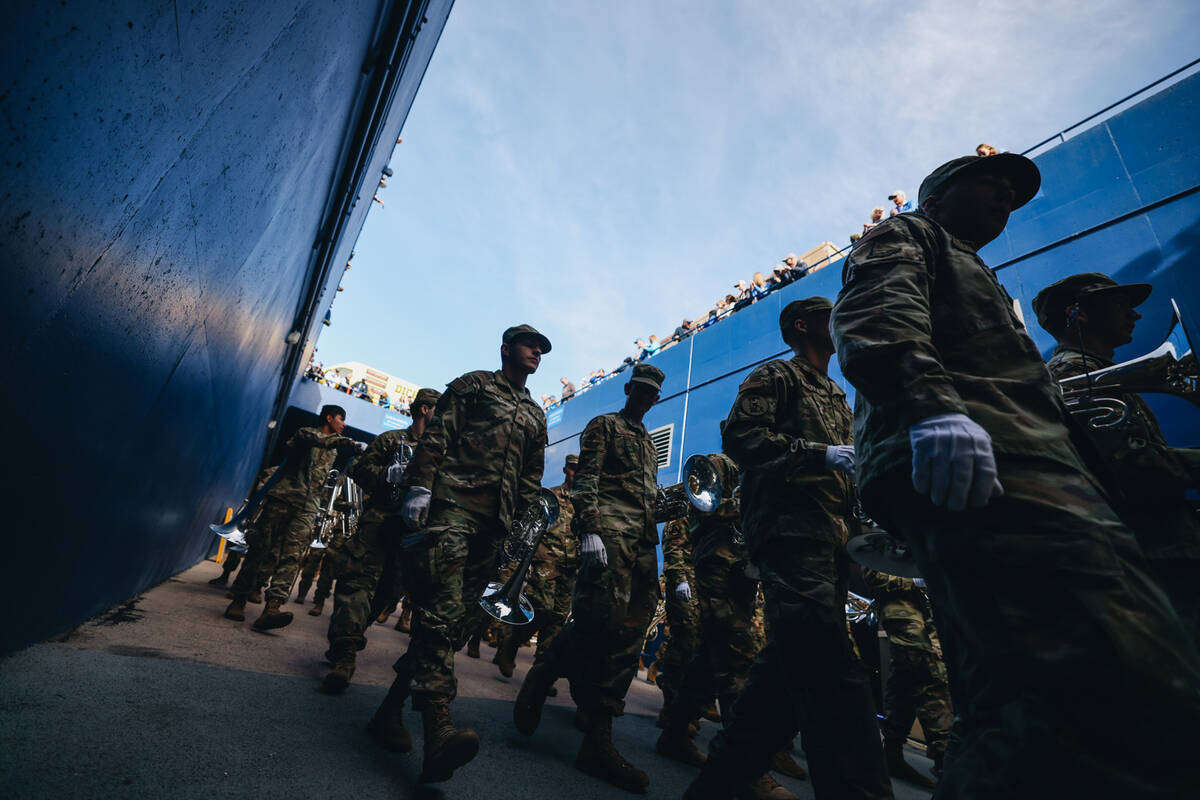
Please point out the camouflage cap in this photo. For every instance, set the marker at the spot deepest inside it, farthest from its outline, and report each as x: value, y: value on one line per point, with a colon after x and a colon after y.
x: 651, y: 376
x: 572, y: 460
x: 800, y: 309
x: 1051, y: 302
x: 425, y: 397
x: 520, y: 331
x: 1024, y: 174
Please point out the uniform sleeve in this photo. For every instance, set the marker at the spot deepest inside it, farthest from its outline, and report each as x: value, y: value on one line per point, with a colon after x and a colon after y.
x: 306, y: 438
x: 883, y: 329
x: 675, y: 552
x: 370, y: 469
x: 441, y: 432
x: 593, y: 445
x: 748, y: 434
x: 882, y: 582
x: 534, y: 466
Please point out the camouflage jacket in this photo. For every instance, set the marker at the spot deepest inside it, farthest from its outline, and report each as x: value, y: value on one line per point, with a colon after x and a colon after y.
x: 559, y: 547
x: 785, y: 415
x: 711, y: 533
x: 677, y: 555
x: 1152, y: 475
x: 617, y: 479
x: 484, y: 450
x: 903, y: 609
x: 310, y: 456
x: 923, y: 327
x: 370, y: 472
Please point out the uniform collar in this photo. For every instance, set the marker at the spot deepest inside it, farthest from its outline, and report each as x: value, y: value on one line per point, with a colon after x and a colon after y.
x: 521, y: 392
x: 1084, y: 354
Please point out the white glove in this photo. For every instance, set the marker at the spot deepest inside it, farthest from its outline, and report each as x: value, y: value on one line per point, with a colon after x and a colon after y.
x: 395, y: 474
x: 592, y: 551
x: 919, y: 582
x: 360, y: 447
x: 953, y: 462
x: 415, y: 510
x: 683, y: 591
x: 840, y: 458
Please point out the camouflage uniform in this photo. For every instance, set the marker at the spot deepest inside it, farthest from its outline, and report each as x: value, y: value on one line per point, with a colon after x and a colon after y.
x: 613, y: 496
x: 482, y: 458
x: 725, y: 597
x: 683, y: 616
x: 1152, y: 477
x: 794, y: 512
x: 1051, y: 623
x: 916, y: 684
x: 551, y: 580
x: 285, y: 525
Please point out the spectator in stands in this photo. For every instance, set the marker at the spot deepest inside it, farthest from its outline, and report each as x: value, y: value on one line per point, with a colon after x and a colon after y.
x: 653, y: 346
x: 547, y: 401
x: 793, y: 264
x: 384, y: 400
x: 684, y: 330
x: 985, y: 149
x: 624, y: 365
x: 359, y: 389
x: 903, y: 204
x: 568, y: 389
x: 758, y: 287
x: 876, y: 217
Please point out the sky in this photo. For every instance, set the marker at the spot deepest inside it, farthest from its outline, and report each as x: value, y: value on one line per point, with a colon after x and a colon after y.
x: 603, y: 170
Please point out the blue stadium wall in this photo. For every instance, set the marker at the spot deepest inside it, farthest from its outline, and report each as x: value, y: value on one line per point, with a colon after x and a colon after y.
x: 182, y: 186
x: 1122, y: 197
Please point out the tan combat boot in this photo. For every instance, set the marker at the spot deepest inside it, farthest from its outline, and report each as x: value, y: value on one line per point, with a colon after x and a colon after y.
x: 600, y: 759
x: 236, y: 610
x: 765, y: 788
x: 506, y: 656
x: 446, y: 747
x: 272, y: 617
x: 783, y: 763
x: 473, y: 646
x: 676, y: 744
x: 318, y: 607
x: 404, y: 625
x: 897, y: 767
x: 343, y: 658
x: 387, y: 726
x: 527, y: 710
x: 302, y: 590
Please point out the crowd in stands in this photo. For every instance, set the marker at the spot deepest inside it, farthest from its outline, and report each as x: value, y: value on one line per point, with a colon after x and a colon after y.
x: 338, y: 381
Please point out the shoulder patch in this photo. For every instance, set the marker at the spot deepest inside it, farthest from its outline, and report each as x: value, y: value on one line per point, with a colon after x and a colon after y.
x: 471, y: 382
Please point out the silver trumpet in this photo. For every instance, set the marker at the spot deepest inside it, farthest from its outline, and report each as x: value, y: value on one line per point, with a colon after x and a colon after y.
x: 506, y: 602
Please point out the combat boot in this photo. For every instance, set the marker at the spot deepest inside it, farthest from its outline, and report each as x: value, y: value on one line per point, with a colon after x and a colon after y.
x: 343, y: 658
x: 302, y: 590
x: 236, y: 610
x: 404, y: 625
x: 599, y: 758
x: 527, y: 710
x: 765, y: 788
x: 711, y: 784
x: 446, y: 747
x: 255, y: 596
x: 505, y: 657
x: 318, y: 607
x: 783, y: 763
x: 897, y: 767
x: 676, y: 744
x: 473, y: 646
x: 272, y: 617
x: 387, y: 726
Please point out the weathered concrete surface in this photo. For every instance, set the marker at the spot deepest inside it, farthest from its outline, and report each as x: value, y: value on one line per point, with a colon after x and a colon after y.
x: 163, y: 697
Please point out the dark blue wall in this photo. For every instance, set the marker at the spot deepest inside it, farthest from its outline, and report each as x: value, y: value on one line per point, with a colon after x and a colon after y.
x: 167, y: 170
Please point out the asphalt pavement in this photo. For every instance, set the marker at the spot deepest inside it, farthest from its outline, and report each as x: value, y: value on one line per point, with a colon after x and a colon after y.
x: 161, y: 697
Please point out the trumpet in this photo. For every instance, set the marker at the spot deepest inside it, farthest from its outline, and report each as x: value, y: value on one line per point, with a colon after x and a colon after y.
x: 699, y: 489
x: 506, y: 602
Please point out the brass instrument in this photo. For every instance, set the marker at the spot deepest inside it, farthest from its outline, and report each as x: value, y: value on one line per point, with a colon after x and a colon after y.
x: 400, y: 458
x: 859, y: 608
x: 506, y: 602
x: 342, y: 508
x: 700, y: 488
x: 232, y: 531
x: 325, y: 520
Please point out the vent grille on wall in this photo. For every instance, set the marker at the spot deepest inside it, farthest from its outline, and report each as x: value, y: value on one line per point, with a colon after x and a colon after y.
x: 661, y: 437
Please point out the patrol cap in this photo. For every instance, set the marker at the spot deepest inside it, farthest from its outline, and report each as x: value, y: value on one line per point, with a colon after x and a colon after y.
x: 1050, y: 302
x: 425, y: 397
x: 801, y: 309
x: 1021, y: 171
x: 651, y: 376
x: 519, y: 331
x: 572, y: 460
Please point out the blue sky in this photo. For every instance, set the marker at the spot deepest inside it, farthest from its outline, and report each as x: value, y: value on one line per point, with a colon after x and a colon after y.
x: 602, y: 170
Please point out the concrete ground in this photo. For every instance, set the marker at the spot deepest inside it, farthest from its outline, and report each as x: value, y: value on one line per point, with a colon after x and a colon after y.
x: 162, y: 697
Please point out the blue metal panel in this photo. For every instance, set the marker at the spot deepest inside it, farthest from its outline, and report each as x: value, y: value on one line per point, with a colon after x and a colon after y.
x: 1158, y: 143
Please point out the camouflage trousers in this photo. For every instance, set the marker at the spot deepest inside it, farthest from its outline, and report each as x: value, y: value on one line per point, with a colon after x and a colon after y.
x: 549, y: 592
x: 806, y: 679
x: 683, y: 640
x: 728, y: 641
x: 1071, y: 673
x: 446, y: 574
x: 276, y: 543
x: 598, y: 649
x: 916, y: 689
x: 362, y: 562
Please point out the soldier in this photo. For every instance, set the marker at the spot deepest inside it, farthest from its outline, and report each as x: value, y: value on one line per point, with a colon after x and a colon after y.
x: 683, y: 616
x: 551, y: 582
x: 916, y: 684
x: 372, y: 554
x: 789, y: 430
x: 285, y: 524
x: 478, y: 467
x: 320, y: 563
x: 1050, y: 622
x: 1091, y: 315
x: 726, y: 598
x: 616, y: 591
